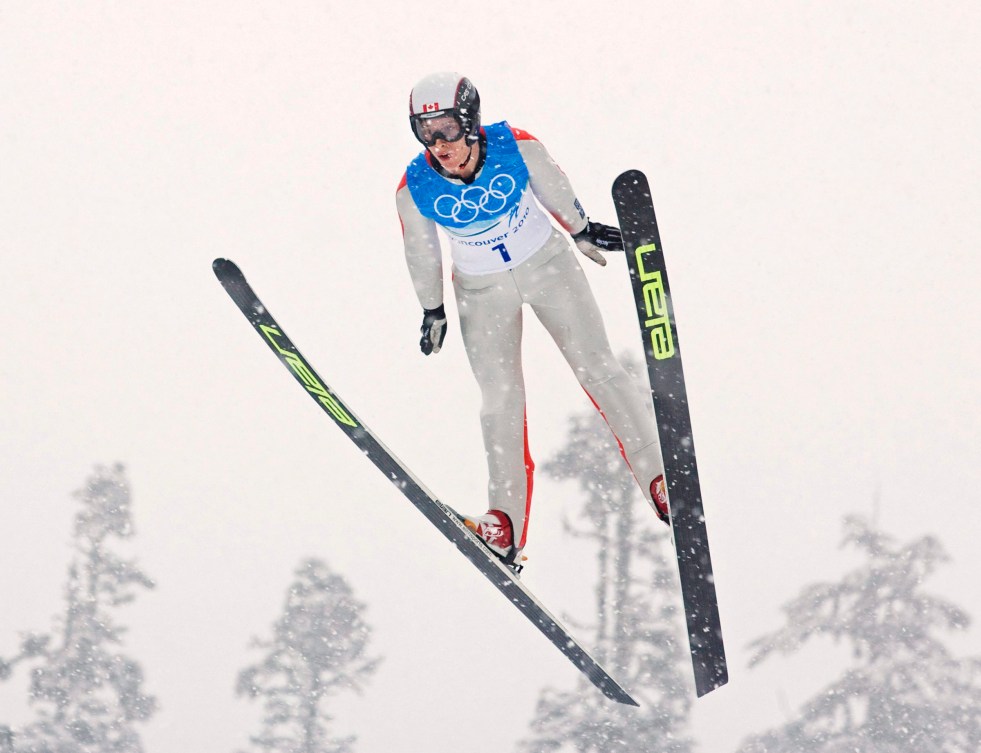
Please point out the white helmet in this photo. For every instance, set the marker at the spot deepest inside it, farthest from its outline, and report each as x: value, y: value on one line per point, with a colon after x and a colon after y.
x: 446, y: 106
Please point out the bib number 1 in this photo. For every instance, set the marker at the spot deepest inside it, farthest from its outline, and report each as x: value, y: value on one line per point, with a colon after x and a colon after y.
x: 500, y: 247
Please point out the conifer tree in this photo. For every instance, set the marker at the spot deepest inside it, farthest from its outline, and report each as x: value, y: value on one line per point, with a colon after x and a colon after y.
x: 904, y: 690
x: 88, y: 694
x: 318, y: 649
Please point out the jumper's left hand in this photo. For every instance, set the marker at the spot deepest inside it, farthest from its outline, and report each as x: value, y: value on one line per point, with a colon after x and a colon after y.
x: 595, y: 237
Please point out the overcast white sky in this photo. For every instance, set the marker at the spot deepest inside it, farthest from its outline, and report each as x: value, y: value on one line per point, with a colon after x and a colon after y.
x: 816, y: 174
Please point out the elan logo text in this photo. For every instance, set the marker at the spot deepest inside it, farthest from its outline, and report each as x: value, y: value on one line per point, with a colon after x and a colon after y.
x: 307, y: 378
x: 657, y: 323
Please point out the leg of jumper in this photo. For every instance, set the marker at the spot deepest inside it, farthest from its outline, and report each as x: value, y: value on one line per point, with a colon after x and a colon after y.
x: 564, y: 303
x: 491, y: 326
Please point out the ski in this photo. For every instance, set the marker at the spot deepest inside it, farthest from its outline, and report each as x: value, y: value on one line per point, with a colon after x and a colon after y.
x: 438, y: 513
x: 659, y: 331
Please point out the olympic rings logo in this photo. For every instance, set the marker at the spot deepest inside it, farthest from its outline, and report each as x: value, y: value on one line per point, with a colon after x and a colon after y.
x: 476, y: 199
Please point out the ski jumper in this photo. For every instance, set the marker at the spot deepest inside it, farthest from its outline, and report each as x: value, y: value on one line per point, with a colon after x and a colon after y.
x: 506, y: 253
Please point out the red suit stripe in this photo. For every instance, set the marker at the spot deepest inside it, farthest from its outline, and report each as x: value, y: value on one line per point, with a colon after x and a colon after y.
x: 530, y: 473
x: 520, y: 135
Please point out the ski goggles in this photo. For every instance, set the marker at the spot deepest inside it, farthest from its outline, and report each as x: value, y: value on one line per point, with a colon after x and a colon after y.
x: 430, y: 128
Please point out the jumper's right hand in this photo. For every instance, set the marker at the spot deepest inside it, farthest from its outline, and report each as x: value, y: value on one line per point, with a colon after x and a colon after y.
x: 433, y: 330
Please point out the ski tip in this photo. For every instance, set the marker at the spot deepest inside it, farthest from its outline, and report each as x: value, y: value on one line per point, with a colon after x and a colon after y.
x: 628, y: 178
x: 224, y: 268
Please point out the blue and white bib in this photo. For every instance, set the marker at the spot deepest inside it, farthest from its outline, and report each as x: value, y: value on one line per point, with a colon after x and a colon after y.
x: 494, y: 223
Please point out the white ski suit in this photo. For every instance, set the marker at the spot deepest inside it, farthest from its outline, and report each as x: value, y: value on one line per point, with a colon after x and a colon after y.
x: 507, y: 253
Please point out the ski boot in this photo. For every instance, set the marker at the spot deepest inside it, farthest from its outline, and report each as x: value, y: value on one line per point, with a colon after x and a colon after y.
x: 494, y: 530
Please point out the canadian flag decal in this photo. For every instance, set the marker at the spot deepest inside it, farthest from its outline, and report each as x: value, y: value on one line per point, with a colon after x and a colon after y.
x: 430, y: 107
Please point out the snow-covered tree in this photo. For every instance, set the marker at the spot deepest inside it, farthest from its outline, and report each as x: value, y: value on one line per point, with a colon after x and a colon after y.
x: 6, y: 739
x: 904, y: 691
x: 318, y: 649
x: 640, y: 635
x: 88, y: 694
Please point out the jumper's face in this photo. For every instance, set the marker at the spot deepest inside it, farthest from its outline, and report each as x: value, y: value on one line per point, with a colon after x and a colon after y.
x: 456, y: 157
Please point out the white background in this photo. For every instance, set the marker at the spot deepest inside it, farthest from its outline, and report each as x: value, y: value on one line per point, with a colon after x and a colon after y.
x: 815, y: 168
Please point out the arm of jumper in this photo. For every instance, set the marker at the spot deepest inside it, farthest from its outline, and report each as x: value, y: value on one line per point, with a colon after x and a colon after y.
x: 422, y: 250
x: 550, y: 185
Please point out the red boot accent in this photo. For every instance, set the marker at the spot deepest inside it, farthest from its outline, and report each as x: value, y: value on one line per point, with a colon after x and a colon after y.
x: 494, y: 527
x: 659, y: 496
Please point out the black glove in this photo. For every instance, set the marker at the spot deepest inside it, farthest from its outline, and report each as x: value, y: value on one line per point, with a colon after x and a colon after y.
x: 595, y: 238
x: 433, y: 330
